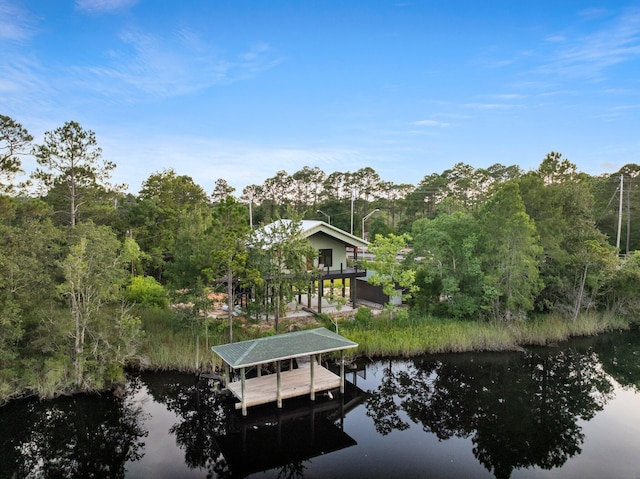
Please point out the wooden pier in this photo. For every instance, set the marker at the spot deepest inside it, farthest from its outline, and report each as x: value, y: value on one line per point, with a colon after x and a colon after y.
x: 293, y: 383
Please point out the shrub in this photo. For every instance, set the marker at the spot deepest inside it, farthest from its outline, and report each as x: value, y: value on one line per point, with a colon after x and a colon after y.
x: 402, y: 316
x: 147, y: 291
x: 363, y: 317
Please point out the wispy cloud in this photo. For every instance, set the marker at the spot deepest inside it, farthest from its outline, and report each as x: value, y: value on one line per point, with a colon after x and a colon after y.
x: 590, y: 55
x: 239, y: 163
x: 146, y: 64
x: 593, y: 13
x: 24, y: 86
x: 433, y: 123
x: 16, y: 24
x: 488, y: 106
x: 104, y: 6
x: 508, y: 96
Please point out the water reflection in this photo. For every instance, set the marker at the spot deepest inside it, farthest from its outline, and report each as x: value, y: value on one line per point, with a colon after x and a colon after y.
x: 514, y: 411
x: 519, y: 410
x: 619, y: 354
x: 203, y: 415
x: 74, y: 437
x: 224, y: 443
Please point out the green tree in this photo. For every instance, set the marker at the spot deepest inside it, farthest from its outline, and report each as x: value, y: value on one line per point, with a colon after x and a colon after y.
x: 621, y: 292
x: 307, y: 187
x: 166, y: 199
x: 282, y: 256
x: 556, y: 169
x: 221, y: 190
x: 29, y: 248
x: 228, y: 235
x: 449, y: 272
x: 70, y: 158
x: 191, y: 252
x: 15, y: 140
x: 560, y: 201
x: 606, y: 206
x: 147, y: 291
x: 277, y: 193
x: 94, y: 272
x: 388, y: 272
x: 510, y: 255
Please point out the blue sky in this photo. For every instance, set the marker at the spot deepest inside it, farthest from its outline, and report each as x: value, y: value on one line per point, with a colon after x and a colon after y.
x: 241, y: 89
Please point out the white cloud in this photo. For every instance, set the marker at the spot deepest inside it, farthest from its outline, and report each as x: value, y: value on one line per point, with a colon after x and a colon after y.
x: 430, y: 123
x: 508, y: 96
x: 158, y: 67
x: 206, y: 160
x: 590, y: 55
x: 15, y: 23
x: 104, y: 6
x: 593, y: 13
x: 488, y: 106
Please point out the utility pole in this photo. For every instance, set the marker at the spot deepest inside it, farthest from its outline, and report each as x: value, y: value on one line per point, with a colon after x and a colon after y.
x: 620, y: 214
x: 352, y: 200
x: 628, y: 216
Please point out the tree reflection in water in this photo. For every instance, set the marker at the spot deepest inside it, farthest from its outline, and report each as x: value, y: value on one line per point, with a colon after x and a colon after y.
x: 76, y: 437
x: 204, y: 416
x: 519, y: 410
x: 619, y: 354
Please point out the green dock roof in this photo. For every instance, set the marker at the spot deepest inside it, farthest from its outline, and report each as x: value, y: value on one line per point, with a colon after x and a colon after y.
x: 280, y: 347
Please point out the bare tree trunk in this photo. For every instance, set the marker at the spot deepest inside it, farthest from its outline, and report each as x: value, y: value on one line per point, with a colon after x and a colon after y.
x: 581, y: 292
x: 230, y: 301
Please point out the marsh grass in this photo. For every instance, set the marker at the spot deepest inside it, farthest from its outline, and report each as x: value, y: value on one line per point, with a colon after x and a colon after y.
x: 170, y: 343
x: 413, y: 335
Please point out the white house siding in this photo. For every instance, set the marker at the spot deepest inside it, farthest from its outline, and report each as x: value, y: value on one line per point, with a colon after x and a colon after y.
x: 339, y: 255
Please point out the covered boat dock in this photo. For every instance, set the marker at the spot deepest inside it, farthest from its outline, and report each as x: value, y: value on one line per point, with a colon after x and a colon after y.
x: 264, y: 389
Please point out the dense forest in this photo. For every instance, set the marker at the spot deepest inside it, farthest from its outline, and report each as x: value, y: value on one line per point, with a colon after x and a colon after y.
x: 80, y: 257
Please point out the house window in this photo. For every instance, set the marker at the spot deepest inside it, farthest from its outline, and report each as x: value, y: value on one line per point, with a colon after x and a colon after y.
x: 326, y: 257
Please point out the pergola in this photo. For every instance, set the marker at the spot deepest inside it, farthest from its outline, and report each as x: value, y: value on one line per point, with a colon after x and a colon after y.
x: 268, y: 388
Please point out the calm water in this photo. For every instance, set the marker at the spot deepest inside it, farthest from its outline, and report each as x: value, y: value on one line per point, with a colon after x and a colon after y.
x: 564, y: 412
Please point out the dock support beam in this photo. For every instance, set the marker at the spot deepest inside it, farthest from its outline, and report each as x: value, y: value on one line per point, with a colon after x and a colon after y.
x: 312, y: 369
x: 342, y: 371
x: 278, y: 386
x: 244, y: 396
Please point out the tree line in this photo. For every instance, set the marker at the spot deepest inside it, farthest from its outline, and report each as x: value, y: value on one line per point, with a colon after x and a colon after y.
x: 495, y: 243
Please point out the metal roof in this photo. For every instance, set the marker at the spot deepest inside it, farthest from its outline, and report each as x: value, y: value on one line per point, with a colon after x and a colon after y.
x: 312, y: 227
x: 282, y: 346
x: 308, y: 228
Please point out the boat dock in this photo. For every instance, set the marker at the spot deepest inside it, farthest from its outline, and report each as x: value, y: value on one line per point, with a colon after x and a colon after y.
x: 265, y: 389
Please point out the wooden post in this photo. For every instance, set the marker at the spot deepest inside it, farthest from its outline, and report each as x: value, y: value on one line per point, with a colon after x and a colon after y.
x: 344, y: 283
x: 352, y: 291
x: 244, y: 398
x: 320, y: 292
x: 342, y: 371
x: 278, y: 391
x: 227, y: 375
x: 311, y: 368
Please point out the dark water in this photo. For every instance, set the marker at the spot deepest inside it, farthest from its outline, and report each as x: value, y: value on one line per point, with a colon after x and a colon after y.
x: 565, y: 412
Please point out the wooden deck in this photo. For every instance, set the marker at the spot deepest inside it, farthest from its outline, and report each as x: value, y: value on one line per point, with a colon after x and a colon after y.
x: 293, y: 383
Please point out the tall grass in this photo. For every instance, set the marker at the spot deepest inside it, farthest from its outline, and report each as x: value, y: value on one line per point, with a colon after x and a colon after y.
x: 170, y: 343
x: 411, y: 335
